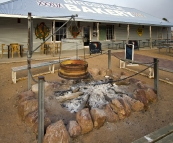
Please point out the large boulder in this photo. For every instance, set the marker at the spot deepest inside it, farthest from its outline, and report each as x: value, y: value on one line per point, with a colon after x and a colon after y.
x: 47, y: 122
x: 102, y: 72
x: 27, y: 95
x: 94, y: 71
x: 151, y: 95
x: 32, y: 120
x: 98, y: 117
x: 135, y: 105
x: 84, y: 119
x: 141, y: 85
x: 56, y: 133
x: 74, y: 129
x: 124, y: 73
x: 34, y: 88
x: 118, y: 108
x: 110, y: 115
x: 126, y: 106
x: 133, y: 80
x: 27, y: 107
x: 108, y: 72
x: 139, y: 94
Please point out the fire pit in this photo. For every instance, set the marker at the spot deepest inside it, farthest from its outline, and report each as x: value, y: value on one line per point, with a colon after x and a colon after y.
x: 73, y: 69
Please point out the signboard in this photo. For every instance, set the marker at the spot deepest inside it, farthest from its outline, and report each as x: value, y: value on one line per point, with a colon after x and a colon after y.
x: 91, y: 8
x: 129, y: 52
x: 140, y: 31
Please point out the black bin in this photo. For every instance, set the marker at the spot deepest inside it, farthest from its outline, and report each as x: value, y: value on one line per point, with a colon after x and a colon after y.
x: 95, y: 47
x: 135, y: 43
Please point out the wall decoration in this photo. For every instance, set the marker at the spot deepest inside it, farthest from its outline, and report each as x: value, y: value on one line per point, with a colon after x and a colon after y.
x: 74, y: 31
x: 42, y: 31
x: 140, y: 31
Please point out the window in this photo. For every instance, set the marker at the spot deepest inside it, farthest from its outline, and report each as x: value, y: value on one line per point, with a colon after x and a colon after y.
x: 109, y: 32
x: 60, y: 33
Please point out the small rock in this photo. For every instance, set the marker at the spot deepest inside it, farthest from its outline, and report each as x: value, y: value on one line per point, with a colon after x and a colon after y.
x: 134, y: 104
x: 110, y: 115
x: 74, y: 129
x: 98, y: 117
x: 35, y: 87
x: 84, y: 119
x: 94, y: 71
x: 118, y: 108
x: 56, y: 133
x: 27, y: 107
x: 27, y: 95
x: 150, y: 95
x: 139, y: 94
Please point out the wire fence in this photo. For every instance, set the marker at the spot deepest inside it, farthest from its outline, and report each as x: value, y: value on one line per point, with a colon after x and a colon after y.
x: 149, y: 65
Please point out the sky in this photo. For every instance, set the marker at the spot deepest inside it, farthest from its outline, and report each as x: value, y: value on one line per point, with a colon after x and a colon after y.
x: 158, y: 8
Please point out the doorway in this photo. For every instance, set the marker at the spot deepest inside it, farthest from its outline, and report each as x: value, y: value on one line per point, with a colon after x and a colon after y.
x: 86, y: 34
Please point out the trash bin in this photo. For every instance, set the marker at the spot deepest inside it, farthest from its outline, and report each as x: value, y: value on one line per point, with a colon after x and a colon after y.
x: 135, y: 42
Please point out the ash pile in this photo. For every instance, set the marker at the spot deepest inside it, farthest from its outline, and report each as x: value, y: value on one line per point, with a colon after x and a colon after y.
x: 95, y: 94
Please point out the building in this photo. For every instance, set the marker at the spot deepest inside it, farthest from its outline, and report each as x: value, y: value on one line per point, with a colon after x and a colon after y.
x: 97, y: 22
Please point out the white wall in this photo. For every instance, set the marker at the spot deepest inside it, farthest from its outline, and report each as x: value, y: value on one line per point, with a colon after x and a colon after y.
x: 13, y: 32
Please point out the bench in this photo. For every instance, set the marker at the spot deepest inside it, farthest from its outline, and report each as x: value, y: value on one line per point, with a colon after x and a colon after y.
x: 51, y: 65
x: 122, y: 64
x: 163, y: 135
x: 117, y: 45
x: 163, y: 46
x: 145, y: 44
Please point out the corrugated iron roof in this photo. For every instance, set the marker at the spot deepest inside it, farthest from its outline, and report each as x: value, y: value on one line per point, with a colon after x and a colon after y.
x: 87, y: 11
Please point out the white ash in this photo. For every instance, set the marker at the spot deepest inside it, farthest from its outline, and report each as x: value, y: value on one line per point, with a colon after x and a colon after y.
x: 77, y: 104
x: 93, y: 95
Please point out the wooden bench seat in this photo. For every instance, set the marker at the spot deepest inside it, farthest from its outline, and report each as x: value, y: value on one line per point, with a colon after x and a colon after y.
x: 165, y: 47
x: 50, y: 64
x: 163, y: 135
x: 111, y: 45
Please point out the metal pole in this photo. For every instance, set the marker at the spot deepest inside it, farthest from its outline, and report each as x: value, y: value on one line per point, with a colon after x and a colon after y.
x: 29, y: 53
x: 54, y: 37
x: 156, y: 76
x: 167, y: 34
x: 109, y: 59
x: 76, y: 50
x: 40, y: 109
x: 84, y: 51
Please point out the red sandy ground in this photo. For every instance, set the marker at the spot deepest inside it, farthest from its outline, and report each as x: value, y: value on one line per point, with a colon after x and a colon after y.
x: 13, y: 130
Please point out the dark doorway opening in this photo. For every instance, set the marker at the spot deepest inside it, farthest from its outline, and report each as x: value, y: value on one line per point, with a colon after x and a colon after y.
x: 86, y: 36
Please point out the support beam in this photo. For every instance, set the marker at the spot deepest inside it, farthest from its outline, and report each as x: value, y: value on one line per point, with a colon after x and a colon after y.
x: 128, y: 29
x: 98, y: 31
x: 150, y: 38
x: 54, y: 38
